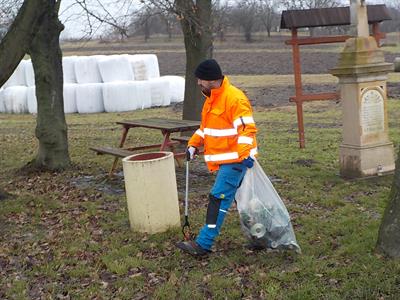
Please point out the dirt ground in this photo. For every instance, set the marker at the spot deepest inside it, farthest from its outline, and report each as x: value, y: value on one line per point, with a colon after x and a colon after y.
x: 259, y: 63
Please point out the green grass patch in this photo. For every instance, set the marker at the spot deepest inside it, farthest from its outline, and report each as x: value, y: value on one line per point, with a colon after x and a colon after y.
x: 68, y: 235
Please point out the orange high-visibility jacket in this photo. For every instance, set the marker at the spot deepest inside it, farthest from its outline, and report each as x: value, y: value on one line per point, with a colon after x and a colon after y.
x: 227, y: 128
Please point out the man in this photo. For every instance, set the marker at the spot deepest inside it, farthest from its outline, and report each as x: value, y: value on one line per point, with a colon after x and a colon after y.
x: 227, y: 132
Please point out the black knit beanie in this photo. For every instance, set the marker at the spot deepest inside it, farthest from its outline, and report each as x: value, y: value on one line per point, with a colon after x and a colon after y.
x: 208, y: 70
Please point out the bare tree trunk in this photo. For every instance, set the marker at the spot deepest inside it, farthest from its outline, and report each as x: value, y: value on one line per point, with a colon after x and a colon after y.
x: 221, y: 35
x: 170, y: 34
x: 36, y: 30
x: 196, y: 25
x: 247, y: 36
x: 168, y: 26
x: 146, y: 31
x: 20, y: 35
x: 389, y: 231
x: 51, y: 128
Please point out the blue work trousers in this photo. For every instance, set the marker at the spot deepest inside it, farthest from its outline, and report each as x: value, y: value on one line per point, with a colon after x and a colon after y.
x: 226, y: 184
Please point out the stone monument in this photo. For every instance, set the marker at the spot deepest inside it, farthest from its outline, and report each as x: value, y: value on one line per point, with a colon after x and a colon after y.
x: 362, y: 71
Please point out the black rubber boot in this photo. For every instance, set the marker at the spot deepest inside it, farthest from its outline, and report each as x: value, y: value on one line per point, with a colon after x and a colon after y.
x: 254, y: 247
x: 192, y: 248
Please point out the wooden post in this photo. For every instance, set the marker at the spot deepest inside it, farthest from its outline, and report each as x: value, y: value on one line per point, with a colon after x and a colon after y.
x: 298, y: 87
x: 375, y: 32
x: 121, y: 144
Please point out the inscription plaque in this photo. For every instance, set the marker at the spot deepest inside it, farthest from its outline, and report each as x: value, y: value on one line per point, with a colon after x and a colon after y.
x: 372, y: 116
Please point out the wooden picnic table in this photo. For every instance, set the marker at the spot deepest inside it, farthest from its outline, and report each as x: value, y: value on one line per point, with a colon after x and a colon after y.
x: 166, y: 126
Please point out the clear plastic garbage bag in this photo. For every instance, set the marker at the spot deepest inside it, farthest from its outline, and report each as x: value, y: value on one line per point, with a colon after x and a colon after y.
x: 263, y: 216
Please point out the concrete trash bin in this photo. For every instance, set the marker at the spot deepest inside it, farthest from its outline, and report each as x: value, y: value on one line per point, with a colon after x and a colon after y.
x: 151, y: 192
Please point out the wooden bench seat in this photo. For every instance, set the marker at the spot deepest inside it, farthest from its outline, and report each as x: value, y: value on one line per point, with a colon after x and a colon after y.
x: 118, y: 152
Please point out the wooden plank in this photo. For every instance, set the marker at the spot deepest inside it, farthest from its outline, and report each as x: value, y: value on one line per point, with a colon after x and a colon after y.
x: 318, y: 40
x: 113, y: 151
x: 315, y: 97
x: 144, y: 147
x: 163, y: 124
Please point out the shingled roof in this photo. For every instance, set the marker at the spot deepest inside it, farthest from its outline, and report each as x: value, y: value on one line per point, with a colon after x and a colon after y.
x: 334, y: 16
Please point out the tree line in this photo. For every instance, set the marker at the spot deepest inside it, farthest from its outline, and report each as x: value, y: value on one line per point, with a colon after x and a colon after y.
x: 246, y: 18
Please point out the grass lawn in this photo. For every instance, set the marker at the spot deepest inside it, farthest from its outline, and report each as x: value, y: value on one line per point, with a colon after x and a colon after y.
x: 67, y: 235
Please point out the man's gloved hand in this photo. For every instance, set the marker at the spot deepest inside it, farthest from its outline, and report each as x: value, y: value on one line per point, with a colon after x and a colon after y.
x: 191, y: 153
x: 248, y: 162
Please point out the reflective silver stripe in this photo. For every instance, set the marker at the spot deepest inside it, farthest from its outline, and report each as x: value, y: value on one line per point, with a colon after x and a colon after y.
x: 246, y: 120
x: 211, y: 225
x: 220, y: 132
x: 200, y: 133
x: 224, y: 211
x: 245, y: 140
x: 223, y: 156
x: 253, y: 152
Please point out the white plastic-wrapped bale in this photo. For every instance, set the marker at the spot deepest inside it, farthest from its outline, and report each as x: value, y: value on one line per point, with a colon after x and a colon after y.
x: 89, y: 98
x: 29, y: 73
x: 120, y: 96
x: 126, y: 95
x: 15, y: 100
x: 2, y: 107
x: 31, y: 99
x: 144, y: 93
x: 87, y: 69
x: 160, y: 92
x: 18, y: 77
x: 7, y: 102
x: 116, y: 68
x: 139, y: 67
x: 68, y: 63
x: 177, y: 87
x: 69, y: 94
x: 145, y: 66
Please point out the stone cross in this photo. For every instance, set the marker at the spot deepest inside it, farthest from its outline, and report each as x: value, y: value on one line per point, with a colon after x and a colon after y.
x: 359, y: 18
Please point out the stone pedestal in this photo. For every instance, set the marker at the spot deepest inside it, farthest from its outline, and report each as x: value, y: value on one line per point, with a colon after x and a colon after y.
x: 362, y: 72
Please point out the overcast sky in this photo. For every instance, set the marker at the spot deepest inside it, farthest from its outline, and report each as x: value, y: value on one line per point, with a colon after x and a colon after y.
x: 78, y: 23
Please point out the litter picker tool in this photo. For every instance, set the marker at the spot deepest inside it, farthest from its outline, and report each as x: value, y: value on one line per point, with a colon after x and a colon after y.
x: 186, y: 226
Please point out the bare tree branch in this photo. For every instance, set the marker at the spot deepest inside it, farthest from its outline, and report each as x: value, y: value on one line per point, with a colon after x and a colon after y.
x: 96, y: 14
x: 113, y: 22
